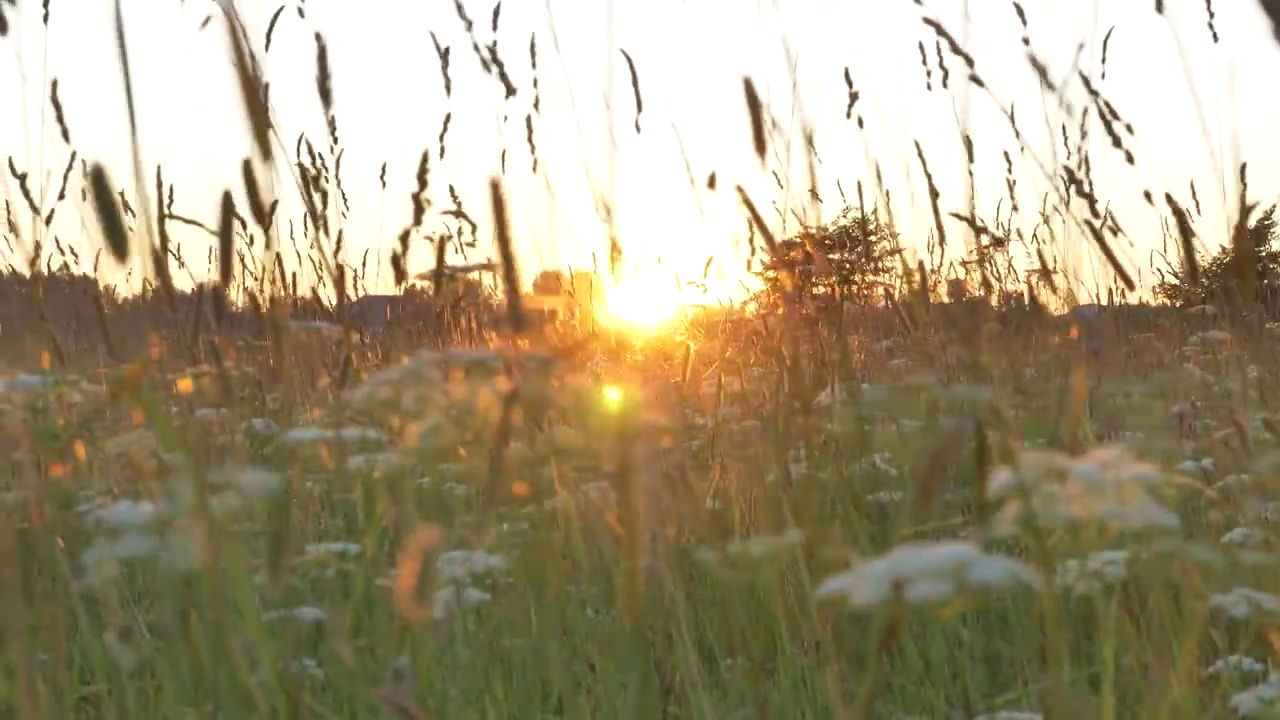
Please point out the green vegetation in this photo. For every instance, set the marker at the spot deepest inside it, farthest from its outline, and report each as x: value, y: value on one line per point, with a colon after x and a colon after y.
x: 857, y: 496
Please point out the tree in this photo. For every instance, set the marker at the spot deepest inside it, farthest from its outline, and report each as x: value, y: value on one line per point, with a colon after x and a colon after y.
x: 1220, y: 274
x: 550, y: 283
x: 853, y: 259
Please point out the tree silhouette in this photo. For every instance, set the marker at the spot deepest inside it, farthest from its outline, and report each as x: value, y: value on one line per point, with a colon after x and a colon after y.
x: 1220, y: 274
x: 851, y: 259
x: 550, y: 283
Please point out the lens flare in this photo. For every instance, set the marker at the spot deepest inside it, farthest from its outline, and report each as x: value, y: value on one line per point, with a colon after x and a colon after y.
x: 612, y: 396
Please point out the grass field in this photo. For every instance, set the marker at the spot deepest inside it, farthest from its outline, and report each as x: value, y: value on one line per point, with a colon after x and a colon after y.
x: 813, y: 510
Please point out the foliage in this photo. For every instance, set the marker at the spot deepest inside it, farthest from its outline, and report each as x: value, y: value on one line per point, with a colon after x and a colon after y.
x: 853, y: 258
x: 550, y: 283
x: 1219, y: 274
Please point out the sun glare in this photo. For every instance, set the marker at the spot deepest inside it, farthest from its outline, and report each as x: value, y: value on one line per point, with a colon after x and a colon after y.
x: 643, y: 304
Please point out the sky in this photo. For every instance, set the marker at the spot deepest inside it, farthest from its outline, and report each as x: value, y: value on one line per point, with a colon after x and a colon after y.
x: 1197, y: 107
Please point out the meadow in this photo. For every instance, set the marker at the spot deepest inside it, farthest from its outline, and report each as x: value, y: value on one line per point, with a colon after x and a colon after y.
x: 857, y: 496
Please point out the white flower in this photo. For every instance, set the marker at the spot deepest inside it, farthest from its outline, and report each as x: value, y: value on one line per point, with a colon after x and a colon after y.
x: 1236, y: 665
x: 310, y: 434
x: 1234, y: 482
x: 1098, y: 570
x: 1262, y: 700
x: 306, y: 667
x: 121, y: 650
x: 326, y: 330
x: 347, y: 549
x: 252, y: 482
x: 1244, y: 537
x: 1211, y: 337
x: 127, y: 515
x: 260, y: 427
x: 211, y: 414
x: 134, y: 545
x: 26, y: 383
x: 140, y: 440
x: 1243, y: 603
x: 461, y: 565
x: 885, y: 497
x: 446, y: 601
x: 1106, y: 486
x: 970, y: 397
x: 302, y: 613
x: 797, y: 462
x: 763, y: 546
x: 376, y: 463
x: 924, y: 574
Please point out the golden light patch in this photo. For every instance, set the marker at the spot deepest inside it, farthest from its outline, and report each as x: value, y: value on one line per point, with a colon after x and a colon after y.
x: 57, y: 471
x: 45, y: 361
x: 1273, y: 637
x: 615, y: 522
x: 184, y: 385
x: 410, y: 434
x: 78, y: 448
x: 412, y: 590
x: 612, y: 396
x: 957, y: 605
x: 521, y: 489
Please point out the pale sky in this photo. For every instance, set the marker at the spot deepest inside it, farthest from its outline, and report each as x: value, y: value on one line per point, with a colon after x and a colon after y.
x: 691, y: 56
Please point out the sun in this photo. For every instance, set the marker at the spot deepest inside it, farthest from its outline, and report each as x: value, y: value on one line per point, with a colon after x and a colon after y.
x: 643, y: 304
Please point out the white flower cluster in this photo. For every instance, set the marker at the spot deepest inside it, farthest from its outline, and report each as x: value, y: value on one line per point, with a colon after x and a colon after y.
x: 926, y: 574
x: 1106, y: 486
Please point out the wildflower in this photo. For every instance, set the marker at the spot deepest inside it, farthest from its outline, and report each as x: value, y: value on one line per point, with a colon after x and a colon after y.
x: 831, y: 395
x: 121, y: 648
x: 1211, y: 337
x: 376, y: 463
x: 1234, y: 482
x: 251, y: 482
x: 968, y: 397
x: 1262, y: 700
x: 211, y: 414
x: 763, y: 546
x: 1236, y: 665
x: 347, y: 549
x: 1244, y: 537
x: 260, y: 427
x: 306, y: 667
x: 797, y: 462
x: 26, y: 383
x: 448, y: 600
x: 1098, y: 570
x: 1106, y: 486
x: 1243, y: 603
x: 303, y: 614
x: 134, y: 441
x: 923, y: 573
x: 326, y: 330
x: 308, y: 434
x: 127, y: 515
x: 461, y: 565
x: 885, y: 497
